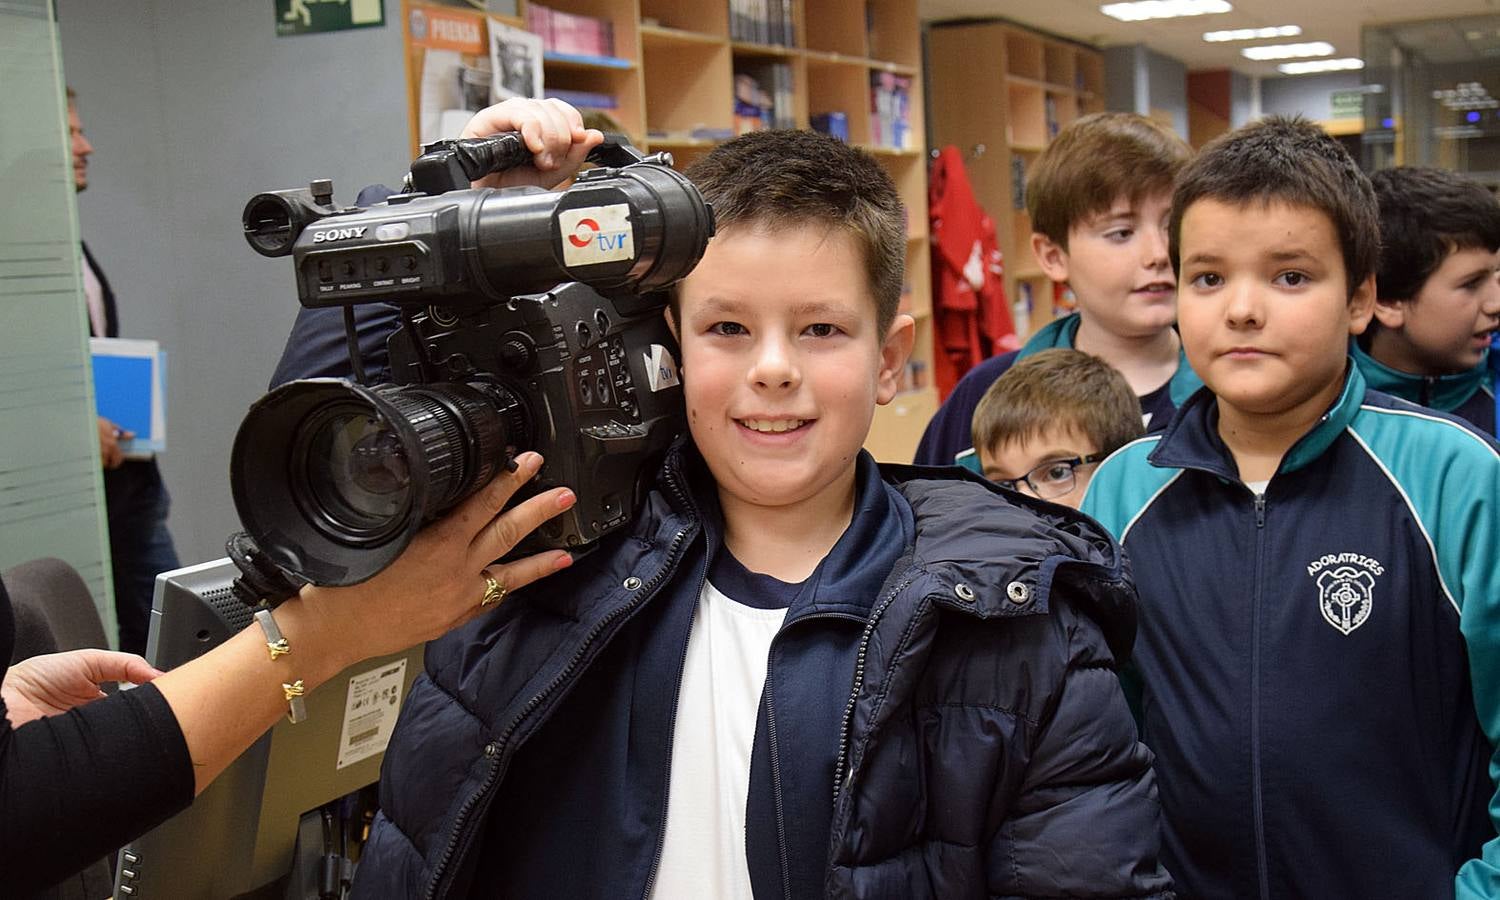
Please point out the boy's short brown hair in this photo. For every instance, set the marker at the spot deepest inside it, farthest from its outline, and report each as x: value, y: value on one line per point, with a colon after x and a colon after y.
x: 1094, y: 162
x: 1288, y: 160
x: 778, y: 179
x: 1059, y: 388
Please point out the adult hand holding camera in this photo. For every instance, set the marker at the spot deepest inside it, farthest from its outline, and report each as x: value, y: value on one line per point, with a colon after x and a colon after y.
x: 553, y: 132
x: 228, y: 697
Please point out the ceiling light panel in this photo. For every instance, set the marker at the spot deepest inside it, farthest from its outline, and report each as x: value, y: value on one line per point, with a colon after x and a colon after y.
x: 1252, y: 34
x: 1289, y: 51
x: 1321, y: 65
x: 1143, y: 10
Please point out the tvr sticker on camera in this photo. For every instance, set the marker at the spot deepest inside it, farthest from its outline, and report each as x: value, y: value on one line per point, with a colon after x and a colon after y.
x: 596, y: 234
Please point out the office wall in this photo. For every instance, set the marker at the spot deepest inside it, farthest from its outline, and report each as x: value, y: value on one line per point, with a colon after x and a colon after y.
x: 1138, y: 79
x: 192, y: 109
x: 1305, y: 95
x: 1167, y: 89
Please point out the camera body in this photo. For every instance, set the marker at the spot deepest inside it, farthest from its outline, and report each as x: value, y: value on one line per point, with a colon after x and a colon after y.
x: 530, y: 320
x: 600, y: 389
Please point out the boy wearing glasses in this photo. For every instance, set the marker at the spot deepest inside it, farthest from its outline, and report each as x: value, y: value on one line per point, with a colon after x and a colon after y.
x: 1043, y: 426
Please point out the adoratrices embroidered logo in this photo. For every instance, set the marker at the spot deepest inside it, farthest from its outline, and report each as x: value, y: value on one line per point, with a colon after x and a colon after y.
x: 1346, y: 588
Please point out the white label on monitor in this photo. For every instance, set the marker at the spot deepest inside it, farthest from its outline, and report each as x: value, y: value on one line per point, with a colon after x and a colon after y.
x: 596, y: 234
x: 370, y: 709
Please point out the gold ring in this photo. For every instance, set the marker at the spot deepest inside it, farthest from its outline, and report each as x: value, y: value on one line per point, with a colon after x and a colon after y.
x: 493, y: 590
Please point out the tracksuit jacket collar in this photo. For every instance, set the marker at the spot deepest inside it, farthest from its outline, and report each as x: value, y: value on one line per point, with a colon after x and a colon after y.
x: 1440, y: 392
x: 1063, y: 334
x: 1192, y: 440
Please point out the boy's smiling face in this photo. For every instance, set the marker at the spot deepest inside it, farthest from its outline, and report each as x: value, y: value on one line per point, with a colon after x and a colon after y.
x: 1447, y: 326
x: 1117, y: 264
x: 1264, y: 309
x: 781, y: 363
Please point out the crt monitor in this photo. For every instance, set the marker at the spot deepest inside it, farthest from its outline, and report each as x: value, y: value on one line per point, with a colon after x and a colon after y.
x: 239, y: 839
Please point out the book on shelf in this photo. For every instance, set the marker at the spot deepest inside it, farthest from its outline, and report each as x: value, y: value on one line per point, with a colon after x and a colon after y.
x: 569, y: 33
x: 762, y: 22
x: 763, y: 96
x: 582, y: 99
x: 890, y: 110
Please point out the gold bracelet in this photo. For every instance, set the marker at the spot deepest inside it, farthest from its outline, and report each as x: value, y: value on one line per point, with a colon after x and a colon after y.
x: 277, y: 646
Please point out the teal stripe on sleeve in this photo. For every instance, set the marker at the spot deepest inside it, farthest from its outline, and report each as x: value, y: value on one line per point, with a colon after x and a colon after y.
x: 1450, y: 479
x: 1124, y: 485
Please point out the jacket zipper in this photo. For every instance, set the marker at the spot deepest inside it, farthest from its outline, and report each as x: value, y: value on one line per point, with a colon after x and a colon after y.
x: 1261, y: 866
x: 499, y: 759
x: 661, y: 831
x: 839, y: 772
x: 775, y: 752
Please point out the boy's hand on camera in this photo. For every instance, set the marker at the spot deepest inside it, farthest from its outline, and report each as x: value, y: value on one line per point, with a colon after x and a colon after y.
x: 553, y: 132
x: 436, y: 583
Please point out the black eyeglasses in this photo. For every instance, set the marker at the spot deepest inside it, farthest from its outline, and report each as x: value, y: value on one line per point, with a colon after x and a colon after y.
x: 1051, y: 479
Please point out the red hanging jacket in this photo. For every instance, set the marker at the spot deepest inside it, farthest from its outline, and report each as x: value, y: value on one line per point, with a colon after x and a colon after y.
x: 971, y: 318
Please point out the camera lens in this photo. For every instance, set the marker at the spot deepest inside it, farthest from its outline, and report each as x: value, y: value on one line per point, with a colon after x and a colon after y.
x: 333, y: 478
x: 357, y: 474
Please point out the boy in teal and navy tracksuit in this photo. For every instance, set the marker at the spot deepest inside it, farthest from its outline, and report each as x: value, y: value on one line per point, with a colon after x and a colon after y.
x: 1318, y: 662
x: 1437, y: 302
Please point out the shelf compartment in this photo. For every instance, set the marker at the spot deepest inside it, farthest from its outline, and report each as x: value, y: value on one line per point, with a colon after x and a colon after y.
x: 1059, y: 66
x: 708, y: 19
x: 1027, y: 110
x: 1091, y: 75
x: 838, y: 85
x: 835, y: 26
x: 623, y: 84
x: 689, y: 86
x: 891, y: 36
x: 1025, y: 56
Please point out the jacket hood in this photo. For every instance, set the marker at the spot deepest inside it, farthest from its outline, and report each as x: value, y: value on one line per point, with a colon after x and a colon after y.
x: 993, y: 553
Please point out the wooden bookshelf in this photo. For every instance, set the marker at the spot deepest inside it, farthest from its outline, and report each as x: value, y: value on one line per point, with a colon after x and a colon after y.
x: 673, y: 80
x: 1009, y: 90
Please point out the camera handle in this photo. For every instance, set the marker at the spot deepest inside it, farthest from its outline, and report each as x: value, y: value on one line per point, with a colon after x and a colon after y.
x: 452, y: 165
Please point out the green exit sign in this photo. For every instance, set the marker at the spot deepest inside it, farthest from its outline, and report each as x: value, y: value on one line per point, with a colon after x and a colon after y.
x: 309, y: 16
x: 1346, y: 104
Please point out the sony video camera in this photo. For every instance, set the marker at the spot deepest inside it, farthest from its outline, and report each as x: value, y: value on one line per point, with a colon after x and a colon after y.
x: 530, y: 320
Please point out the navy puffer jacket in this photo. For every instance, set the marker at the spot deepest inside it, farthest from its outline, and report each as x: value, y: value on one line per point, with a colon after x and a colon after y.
x: 984, y: 748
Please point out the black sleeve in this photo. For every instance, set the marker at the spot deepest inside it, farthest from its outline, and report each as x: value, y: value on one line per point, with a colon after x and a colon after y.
x: 76, y: 787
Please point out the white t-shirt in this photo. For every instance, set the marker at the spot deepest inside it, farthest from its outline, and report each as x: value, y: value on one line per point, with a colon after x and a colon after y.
x: 93, y: 293
x: 718, y: 702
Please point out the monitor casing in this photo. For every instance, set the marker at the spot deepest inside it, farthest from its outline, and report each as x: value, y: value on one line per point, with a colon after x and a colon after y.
x: 238, y: 838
